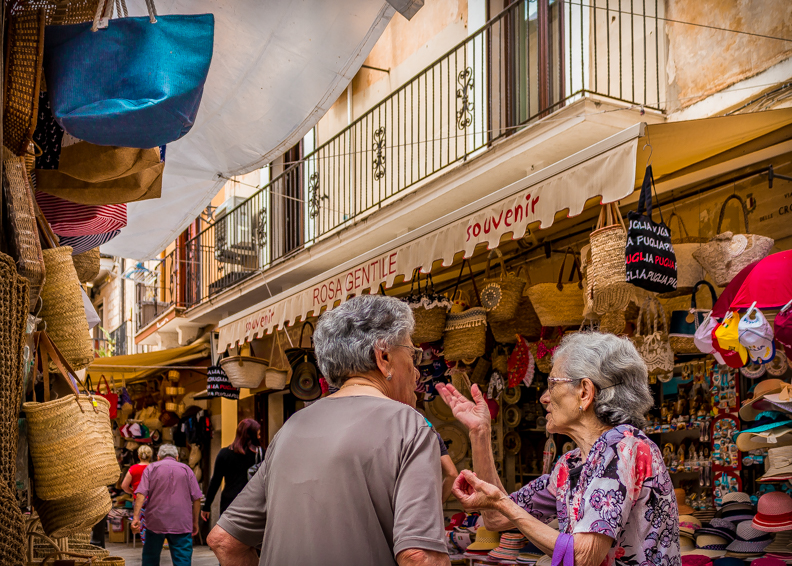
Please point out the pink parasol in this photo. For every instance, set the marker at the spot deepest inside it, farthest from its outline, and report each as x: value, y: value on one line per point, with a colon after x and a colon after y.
x: 723, y: 303
x: 768, y: 283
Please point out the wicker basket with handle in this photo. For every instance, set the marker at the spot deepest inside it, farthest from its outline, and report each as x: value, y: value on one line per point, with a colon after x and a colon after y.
x: 689, y: 271
x: 465, y: 335
x: 69, y: 515
x: 70, y: 438
x: 525, y: 321
x: 607, y: 273
x: 501, y: 295
x: 725, y: 255
x: 87, y: 265
x: 557, y: 304
x: 429, y: 310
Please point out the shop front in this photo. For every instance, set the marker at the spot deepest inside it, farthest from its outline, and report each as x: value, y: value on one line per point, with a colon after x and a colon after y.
x: 497, y: 284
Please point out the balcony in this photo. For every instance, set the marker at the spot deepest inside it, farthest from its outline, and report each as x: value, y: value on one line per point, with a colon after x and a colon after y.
x: 530, y: 61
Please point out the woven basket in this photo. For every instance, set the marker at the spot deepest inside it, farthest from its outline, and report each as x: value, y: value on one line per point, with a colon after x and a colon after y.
x: 429, y: 310
x: 544, y: 348
x: 588, y: 292
x: 559, y: 304
x: 83, y: 537
x: 173, y: 391
x: 500, y: 296
x: 727, y: 254
x: 279, y: 371
x: 12, y: 527
x: 689, y: 271
x: 73, y: 514
x: 245, y: 371
x: 63, y: 309
x: 111, y: 561
x: 465, y: 335
x: 500, y: 360
x: 87, y: 265
x: 70, y: 438
x: 24, y: 239
x: 60, y: 12
x: 24, y: 53
x: 607, y: 274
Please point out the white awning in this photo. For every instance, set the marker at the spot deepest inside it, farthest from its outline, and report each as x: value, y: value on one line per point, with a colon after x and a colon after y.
x: 276, y: 70
x: 610, y: 169
x: 606, y: 170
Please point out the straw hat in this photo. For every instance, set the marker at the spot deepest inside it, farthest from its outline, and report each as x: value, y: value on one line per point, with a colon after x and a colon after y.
x: 485, y: 540
x: 688, y: 524
x: 774, y: 512
x: 509, y: 547
x: 712, y: 546
x: 718, y: 527
x: 686, y: 543
x: 779, y: 463
x: 684, y: 509
x: 749, y: 540
x: 736, y: 497
x: 754, y: 406
x: 782, y: 543
x: 771, y: 428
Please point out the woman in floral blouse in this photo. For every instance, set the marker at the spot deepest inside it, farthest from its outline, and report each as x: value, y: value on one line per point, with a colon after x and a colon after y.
x: 612, y: 493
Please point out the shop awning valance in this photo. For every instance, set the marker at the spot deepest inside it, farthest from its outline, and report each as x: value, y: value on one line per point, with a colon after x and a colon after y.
x: 136, y: 367
x: 610, y: 169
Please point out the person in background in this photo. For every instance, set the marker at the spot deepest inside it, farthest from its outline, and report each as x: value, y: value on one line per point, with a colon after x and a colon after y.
x: 132, y: 480
x: 232, y: 465
x: 448, y: 467
x: 173, y: 502
x: 612, y: 494
x: 353, y: 479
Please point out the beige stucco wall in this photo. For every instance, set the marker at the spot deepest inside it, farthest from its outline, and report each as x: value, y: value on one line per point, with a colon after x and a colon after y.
x: 704, y: 61
x: 405, y: 48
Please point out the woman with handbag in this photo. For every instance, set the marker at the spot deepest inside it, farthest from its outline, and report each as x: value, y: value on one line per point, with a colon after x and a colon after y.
x: 232, y: 465
x: 612, y: 496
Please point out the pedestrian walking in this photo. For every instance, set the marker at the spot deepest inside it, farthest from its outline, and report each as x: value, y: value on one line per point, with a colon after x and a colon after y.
x: 132, y: 481
x: 232, y: 465
x: 173, y: 501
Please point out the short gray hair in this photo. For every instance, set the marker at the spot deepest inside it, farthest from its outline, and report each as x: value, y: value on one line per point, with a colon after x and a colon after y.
x: 346, y: 337
x: 616, y: 369
x: 168, y: 451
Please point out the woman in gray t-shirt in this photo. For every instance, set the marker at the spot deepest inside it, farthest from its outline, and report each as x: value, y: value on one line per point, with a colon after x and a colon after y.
x: 352, y: 479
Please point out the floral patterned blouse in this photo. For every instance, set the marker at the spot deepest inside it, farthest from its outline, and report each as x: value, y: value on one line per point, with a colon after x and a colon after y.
x: 623, y: 490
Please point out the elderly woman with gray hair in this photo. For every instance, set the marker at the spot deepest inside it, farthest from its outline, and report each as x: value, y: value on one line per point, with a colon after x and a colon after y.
x: 612, y: 494
x: 353, y: 479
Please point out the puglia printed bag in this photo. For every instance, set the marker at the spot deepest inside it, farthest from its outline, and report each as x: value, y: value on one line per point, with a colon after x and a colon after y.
x: 650, y: 259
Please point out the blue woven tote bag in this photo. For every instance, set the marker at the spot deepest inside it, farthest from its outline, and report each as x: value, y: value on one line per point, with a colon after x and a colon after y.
x: 136, y: 83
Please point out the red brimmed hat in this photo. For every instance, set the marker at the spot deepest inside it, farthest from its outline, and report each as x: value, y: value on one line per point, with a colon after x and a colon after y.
x: 774, y: 512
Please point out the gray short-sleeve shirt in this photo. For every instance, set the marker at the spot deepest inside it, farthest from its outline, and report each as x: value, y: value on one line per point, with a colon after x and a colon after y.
x: 347, y: 481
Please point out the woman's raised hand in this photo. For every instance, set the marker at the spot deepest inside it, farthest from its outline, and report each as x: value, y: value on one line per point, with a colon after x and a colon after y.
x: 475, y: 416
x: 475, y: 494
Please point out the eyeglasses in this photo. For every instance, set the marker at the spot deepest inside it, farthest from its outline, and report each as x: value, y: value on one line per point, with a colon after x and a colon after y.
x: 417, y: 353
x: 552, y: 380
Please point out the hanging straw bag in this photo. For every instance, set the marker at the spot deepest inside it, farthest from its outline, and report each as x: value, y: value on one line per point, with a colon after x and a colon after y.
x: 23, y: 57
x: 63, y: 309
x: 70, y: 438
x: 245, y: 370
x: 279, y: 371
x: 63, y: 517
x: 725, y: 255
x: 689, y: 271
x: 87, y: 265
x: 559, y: 304
x: 524, y: 322
x: 24, y: 242
x: 585, y: 268
x: 607, y: 272
x: 684, y: 323
x: 429, y: 310
x: 501, y: 295
x: 465, y: 335
x: 651, y: 340
x: 543, y: 350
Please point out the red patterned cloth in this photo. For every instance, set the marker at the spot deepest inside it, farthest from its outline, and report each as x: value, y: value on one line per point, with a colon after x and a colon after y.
x: 72, y: 219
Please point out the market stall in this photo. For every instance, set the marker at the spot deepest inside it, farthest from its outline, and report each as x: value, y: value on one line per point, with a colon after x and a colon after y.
x: 495, y: 287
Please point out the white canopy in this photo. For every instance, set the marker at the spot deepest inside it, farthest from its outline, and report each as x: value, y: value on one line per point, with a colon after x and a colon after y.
x: 277, y: 68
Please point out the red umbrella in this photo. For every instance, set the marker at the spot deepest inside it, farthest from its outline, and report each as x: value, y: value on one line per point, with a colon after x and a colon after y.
x: 768, y: 284
x: 721, y: 307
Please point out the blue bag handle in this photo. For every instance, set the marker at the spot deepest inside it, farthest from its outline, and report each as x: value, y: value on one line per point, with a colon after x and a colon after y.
x: 564, y: 551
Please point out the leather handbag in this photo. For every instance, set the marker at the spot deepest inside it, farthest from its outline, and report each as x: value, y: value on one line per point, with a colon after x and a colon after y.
x: 684, y: 323
x: 136, y: 83
x: 111, y: 396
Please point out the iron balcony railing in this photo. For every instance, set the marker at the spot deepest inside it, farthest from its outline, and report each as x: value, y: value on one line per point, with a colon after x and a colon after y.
x: 528, y: 61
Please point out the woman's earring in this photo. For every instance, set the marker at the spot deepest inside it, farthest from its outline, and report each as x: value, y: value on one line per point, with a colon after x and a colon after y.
x: 580, y: 408
x: 390, y: 376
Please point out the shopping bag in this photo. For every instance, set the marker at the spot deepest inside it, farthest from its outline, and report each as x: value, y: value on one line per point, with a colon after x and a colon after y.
x: 136, y: 83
